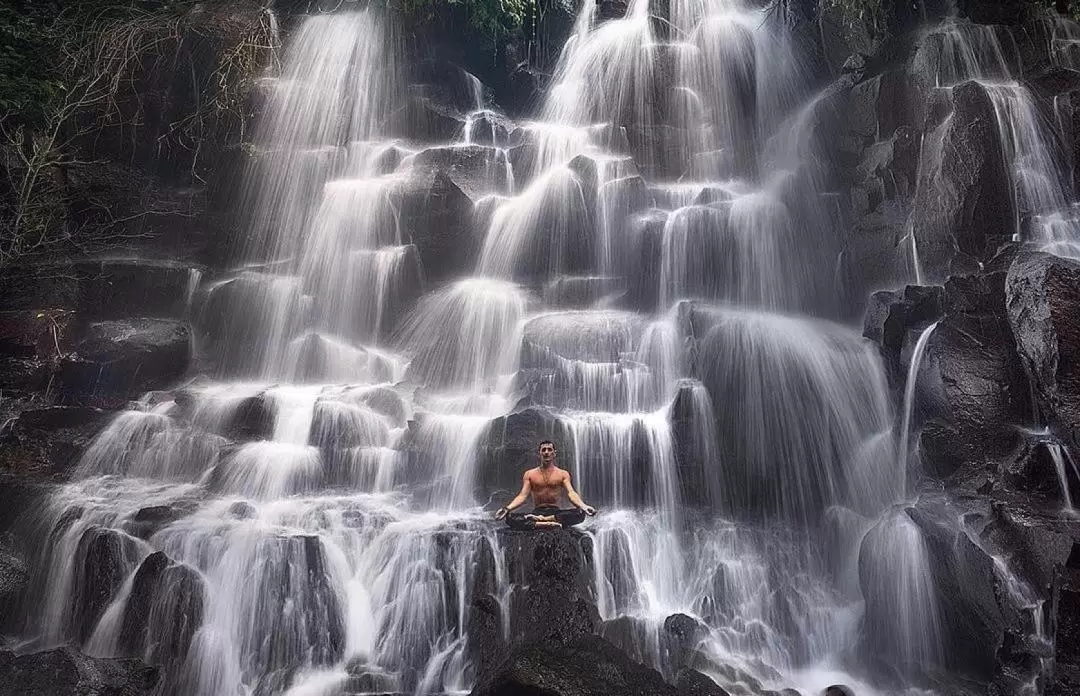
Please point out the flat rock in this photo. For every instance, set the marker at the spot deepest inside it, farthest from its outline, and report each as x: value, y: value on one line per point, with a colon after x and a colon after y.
x: 127, y: 356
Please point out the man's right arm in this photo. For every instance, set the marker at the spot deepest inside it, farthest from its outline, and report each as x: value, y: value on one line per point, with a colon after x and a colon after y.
x: 519, y: 499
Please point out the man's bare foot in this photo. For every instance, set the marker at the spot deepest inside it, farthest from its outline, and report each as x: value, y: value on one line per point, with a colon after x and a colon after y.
x: 547, y: 524
x: 541, y: 518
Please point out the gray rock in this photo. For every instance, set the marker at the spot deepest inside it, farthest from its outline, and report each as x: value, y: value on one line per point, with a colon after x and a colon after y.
x: 690, y: 682
x: 70, y: 673
x: 162, y: 613
x: 962, y: 212
x: 103, y: 560
x: 47, y: 442
x: 586, y: 666
x: 127, y: 357
x: 551, y: 601
x: 974, y: 376
x: 1043, y: 296
x: 437, y: 216
x: 478, y: 170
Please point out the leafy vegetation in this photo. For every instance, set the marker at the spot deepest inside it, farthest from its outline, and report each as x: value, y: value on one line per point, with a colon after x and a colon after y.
x: 70, y: 68
x: 492, y: 18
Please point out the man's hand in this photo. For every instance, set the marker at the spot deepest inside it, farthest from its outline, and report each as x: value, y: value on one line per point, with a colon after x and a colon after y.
x: 501, y: 513
x: 589, y: 510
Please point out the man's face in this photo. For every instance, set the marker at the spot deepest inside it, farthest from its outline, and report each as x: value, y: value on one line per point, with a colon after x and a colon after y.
x: 547, y: 453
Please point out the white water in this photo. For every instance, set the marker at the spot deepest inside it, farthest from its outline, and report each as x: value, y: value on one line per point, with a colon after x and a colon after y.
x: 329, y: 482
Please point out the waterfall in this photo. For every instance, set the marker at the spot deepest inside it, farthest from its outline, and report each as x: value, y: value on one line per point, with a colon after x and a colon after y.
x: 647, y: 265
x: 1043, y: 202
x: 909, y: 395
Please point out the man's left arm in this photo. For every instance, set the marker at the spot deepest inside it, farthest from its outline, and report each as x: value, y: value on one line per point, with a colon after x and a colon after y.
x: 575, y: 499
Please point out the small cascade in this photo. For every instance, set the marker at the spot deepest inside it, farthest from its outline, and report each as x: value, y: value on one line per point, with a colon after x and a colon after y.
x: 903, y: 454
x: 1043, y: 202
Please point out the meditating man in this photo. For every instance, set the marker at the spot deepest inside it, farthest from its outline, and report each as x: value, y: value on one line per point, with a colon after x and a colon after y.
x: 544, y: 484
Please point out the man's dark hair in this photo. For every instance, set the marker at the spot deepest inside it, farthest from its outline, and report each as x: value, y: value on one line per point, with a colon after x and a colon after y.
x: 546, y: 442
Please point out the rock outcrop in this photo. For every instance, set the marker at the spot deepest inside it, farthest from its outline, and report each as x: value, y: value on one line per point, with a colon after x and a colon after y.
x: 71, y: 673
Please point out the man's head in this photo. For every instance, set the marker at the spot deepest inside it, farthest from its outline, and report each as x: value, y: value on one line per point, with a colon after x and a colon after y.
x: 547, y: 452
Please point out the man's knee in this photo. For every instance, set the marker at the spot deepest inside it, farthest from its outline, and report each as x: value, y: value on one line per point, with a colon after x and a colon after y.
x: 569, y: 518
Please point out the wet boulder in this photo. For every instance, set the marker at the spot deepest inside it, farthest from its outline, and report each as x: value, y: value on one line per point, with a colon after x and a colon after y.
x: 148, y: 521
x: 47, y: 442
x: 1066, y: 598
x: 1043, y: 297
x: 451, y: 85
x: 14, y: 576
x: 489, y: 128
x: 581, y: 292
x: 509, y: 446
x: 127, y: 357
x: 71, y: 673
x: 103, y: 560
x: 892, y: 314
x: 966, y: 590
x: 974, y: 376
x: 962, y: 212
x: 293, y: 598
x: 690, y: 682
x: 121, y: 288
x: 253, y: 419
x: 437, y: 216
x: 586, y: 666
x: 551, y: 601
x: 102, y: 289
x: 163, y: 611
x: 838, y: 690
x: 552, y: 578
x: 477, y: 170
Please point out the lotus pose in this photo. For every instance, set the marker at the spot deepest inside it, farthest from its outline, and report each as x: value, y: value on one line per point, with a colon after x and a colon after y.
x: 544, y: 484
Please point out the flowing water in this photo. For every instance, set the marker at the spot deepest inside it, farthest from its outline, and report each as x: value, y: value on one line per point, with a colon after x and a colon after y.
x: 651, y: 267
x: 1043, y: 201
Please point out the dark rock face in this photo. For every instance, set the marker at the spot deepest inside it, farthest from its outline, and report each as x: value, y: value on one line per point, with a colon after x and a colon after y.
x: 1043, y: 298
x: 892, y: 315
x: 437, y: 216
x: 980, y: 386
x: 690, y: 682
x: 551, y: 602
x: 838, y: 690
x: 509, y: 447
x: 32, y: 343
x: 68, y: 672
x: 1067, y: 638
x: 477, y: 170
x: 127, y: 356
x: 299, y: 606
x: 962, y: 212
x: 103, y: 560
x: 14, y: 576
x: 148, y: 520
x: 47, y: 442
x: 101, y: 289
x: 163, y: 612
x: 586, y: 666
x: 966, y: 587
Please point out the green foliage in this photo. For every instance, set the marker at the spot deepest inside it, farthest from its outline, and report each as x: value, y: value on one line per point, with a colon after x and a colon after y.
x: 492, y: 18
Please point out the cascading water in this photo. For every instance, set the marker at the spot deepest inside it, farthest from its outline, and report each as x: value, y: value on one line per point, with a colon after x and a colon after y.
x: 653, y: 268
x: 1043, y: 200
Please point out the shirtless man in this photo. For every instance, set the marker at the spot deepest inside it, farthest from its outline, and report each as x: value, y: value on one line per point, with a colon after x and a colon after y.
x: 545, y: 483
